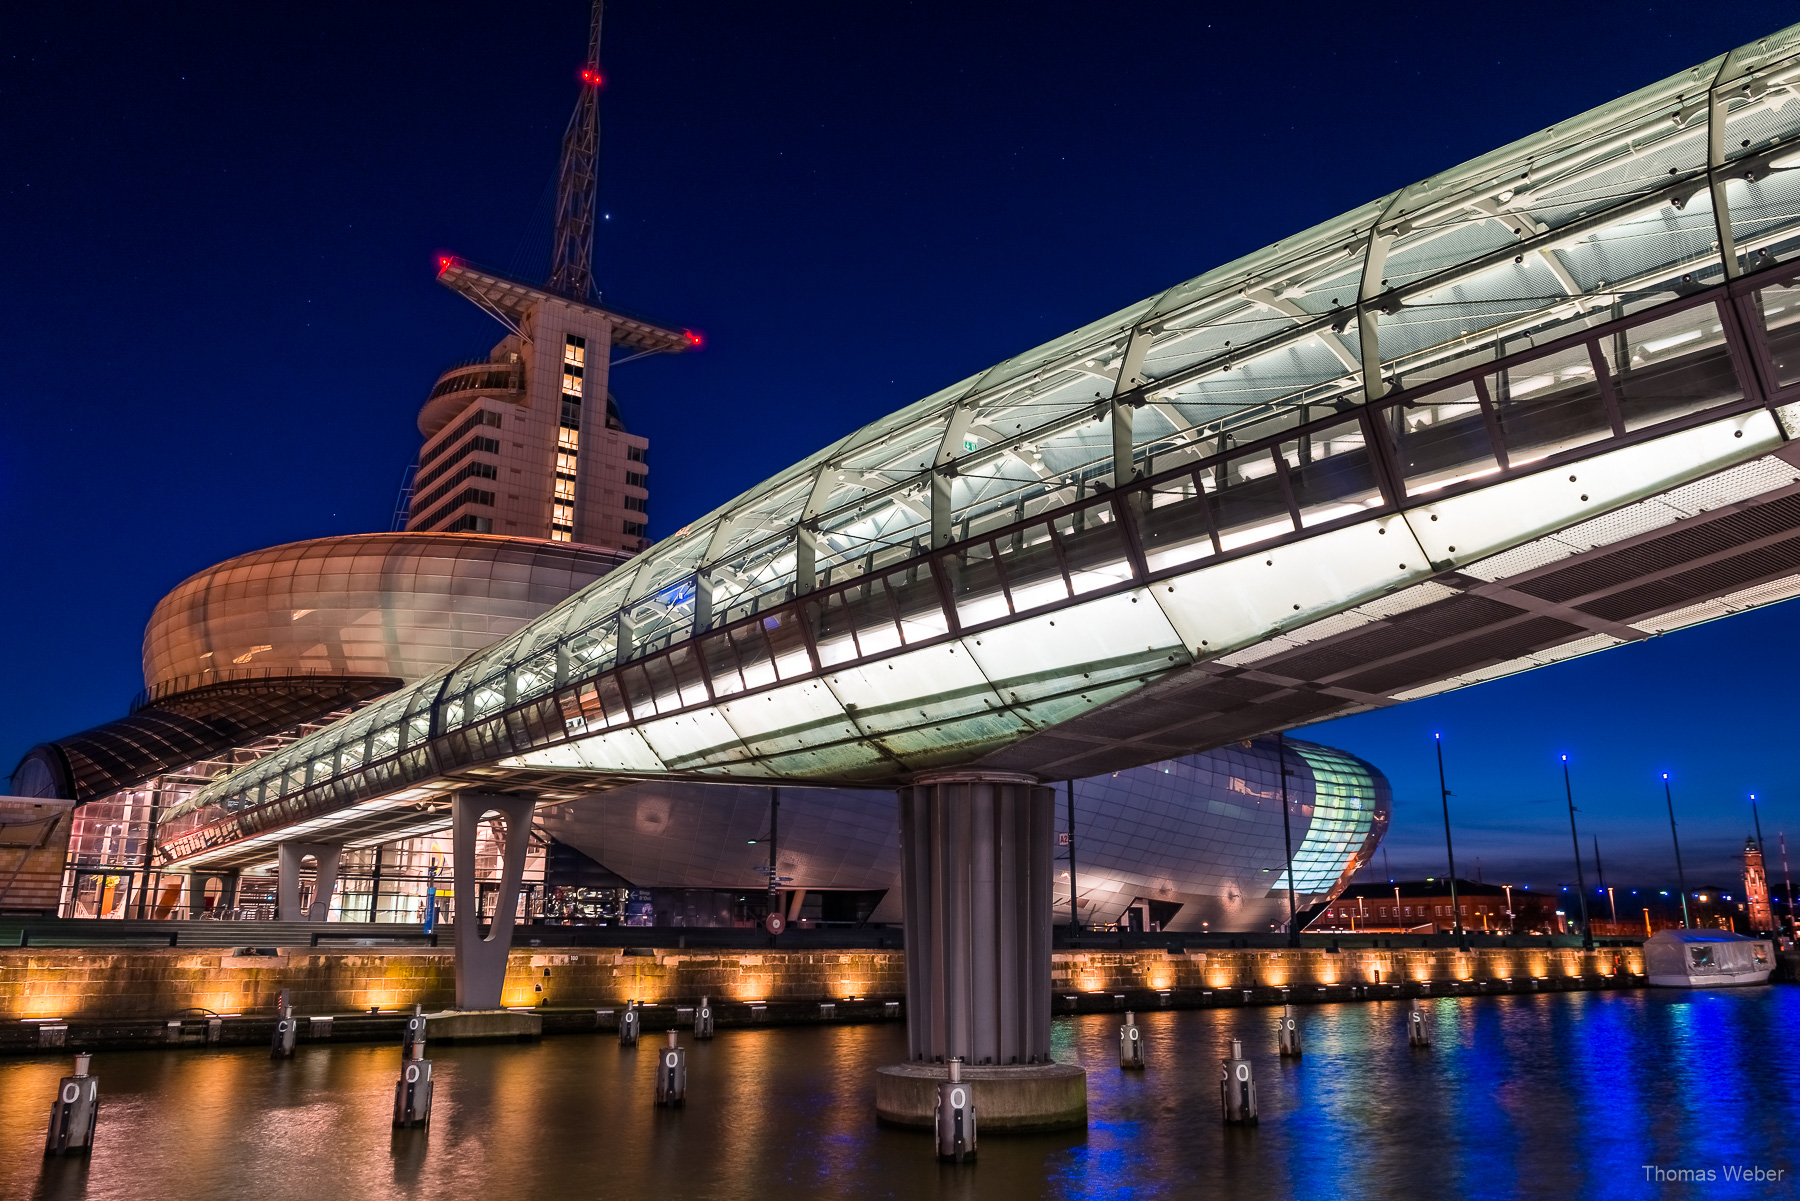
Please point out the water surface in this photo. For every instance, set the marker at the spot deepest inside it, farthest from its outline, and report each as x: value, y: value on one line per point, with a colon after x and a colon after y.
x: 1559, y: 1095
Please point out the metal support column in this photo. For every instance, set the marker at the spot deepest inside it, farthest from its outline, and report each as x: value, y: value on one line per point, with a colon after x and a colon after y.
x: 481, y: 961
x: 287, y: 882
x: 977, y: 872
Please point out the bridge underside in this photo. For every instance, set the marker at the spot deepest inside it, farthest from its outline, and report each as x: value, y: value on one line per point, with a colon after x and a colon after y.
x: 1541, y: 604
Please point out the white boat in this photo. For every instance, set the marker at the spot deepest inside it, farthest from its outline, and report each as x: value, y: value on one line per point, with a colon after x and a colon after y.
x: 1706, y: 959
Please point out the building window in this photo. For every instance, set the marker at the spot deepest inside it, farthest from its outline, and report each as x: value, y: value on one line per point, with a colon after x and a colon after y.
x: 635, y: 529
x: 468, y: 496
x: 635, y: 453
x: 565, y: 462
x: 558, y: 534
x: 634, y: 478
x: 562, y: 514
x: 565, y: 488
x: 571, y: 381
x: 575, y: 350
x: 477, y: 418
x: 568, y: 439
x: 637, y: 504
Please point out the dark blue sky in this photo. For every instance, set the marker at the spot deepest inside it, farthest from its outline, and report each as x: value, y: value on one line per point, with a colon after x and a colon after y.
x: 220, y: 221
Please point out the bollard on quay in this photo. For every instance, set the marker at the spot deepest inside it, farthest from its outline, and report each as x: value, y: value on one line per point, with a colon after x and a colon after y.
x: 73, y: 1113
x: 412, y: 1092
x: 1131, y: 1044
x: 1418, y: 1034
x: 671, y: 1074
x: 1288, y: 1040
x: 629, y: 1025
x: 955, y: 1117
x: 1237, y: 1087
x: 703, y: 1019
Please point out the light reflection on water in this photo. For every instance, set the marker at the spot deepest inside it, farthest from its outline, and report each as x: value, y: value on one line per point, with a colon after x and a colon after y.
x: 1542, y: 1096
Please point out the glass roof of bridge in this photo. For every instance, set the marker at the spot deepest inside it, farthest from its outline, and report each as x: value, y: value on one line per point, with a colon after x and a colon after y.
x: 1670, y: 189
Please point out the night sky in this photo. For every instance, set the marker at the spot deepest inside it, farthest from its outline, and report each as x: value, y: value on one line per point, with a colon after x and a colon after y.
x: 220, y: 223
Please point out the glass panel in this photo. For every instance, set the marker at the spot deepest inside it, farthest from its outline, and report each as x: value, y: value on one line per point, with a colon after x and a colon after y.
x: 1441, y: 439
x: 662, y: 683
x: 833, y: 632
x: 975, y: 583
x: 612, y: 698
x: 637, y: 691
x: 1671, y: 367
x: 866, y: 611
x: 916, y: 601
x: 721, y: 665
x: 1550, y: 405
x: 1779, y: 307
x: 872, y: 611
x: 686, y: 665
x: 1331, y: 473
x: 1033, y: 574
x: 789, y: 643
x: 753, y: 655
x: 1247, y: 501
x: 1094, y: 548
x: 1173, y: 523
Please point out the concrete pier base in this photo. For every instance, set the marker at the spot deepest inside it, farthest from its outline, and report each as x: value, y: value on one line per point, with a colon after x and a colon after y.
x: 1008, y: 1100
x: 481, y: 1025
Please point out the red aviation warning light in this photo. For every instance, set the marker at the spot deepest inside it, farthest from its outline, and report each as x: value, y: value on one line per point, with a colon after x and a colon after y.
x: 445, y: 262
x: 590, y: 77
x: 693, y: 339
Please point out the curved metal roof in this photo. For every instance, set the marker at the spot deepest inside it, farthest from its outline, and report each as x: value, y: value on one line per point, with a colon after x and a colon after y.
x: 182, y: 729
x: 389, y: 604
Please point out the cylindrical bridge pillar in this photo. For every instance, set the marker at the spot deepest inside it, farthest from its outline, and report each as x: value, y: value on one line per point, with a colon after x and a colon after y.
x: 976, y: 878
x: 977, y: 865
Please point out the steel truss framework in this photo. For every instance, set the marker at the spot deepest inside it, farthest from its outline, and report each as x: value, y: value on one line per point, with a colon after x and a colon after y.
x: 1617, y: 291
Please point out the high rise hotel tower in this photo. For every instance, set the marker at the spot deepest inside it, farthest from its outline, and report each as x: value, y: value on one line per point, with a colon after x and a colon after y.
x: 527, y: 441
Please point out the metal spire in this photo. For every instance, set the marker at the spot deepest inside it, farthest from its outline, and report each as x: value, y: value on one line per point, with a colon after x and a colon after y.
x: 572, y: 248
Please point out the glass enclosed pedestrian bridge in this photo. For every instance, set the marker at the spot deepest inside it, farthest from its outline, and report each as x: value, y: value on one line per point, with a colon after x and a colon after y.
x: 1530, y: 408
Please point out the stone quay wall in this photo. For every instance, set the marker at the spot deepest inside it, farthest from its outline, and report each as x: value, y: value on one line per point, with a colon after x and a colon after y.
x: 137, y: 983
x: 1075, y: 972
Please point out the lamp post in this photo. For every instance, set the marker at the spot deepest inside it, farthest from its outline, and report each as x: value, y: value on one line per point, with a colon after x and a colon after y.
x: 1287, y: 833
x: 1587, y: 935
x: 1787, y: 876
x: 1511, y: 921
x: 1462, y: 939
x: 1397, y: 924
x: 1074, y: 897
x: 1680, y: 876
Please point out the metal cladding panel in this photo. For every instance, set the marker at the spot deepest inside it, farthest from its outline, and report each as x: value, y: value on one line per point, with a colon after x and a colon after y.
x: 902, y: 692
x: 696, y: 740
x: 1122, y: 636
x: 789, y: 718
x: 1220, y: 609
x: 1477, y: 524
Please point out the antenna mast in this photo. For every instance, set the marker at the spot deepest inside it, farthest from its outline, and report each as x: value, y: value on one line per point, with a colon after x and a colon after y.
x: 572, y: 250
